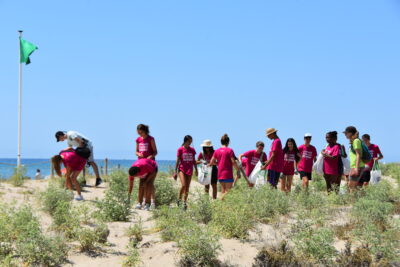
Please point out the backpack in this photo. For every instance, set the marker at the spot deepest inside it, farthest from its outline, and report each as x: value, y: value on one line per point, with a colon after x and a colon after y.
x: 365, y: 154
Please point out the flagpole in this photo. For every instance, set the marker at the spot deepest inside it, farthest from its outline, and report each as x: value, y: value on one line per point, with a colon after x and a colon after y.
x: 19, y: 101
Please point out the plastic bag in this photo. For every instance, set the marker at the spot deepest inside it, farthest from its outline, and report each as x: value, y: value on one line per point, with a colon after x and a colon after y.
x: 376, y: 173
x: 205, y: 173
x: 319, y: 165
x: 346, y: 166
x: 257, y: 176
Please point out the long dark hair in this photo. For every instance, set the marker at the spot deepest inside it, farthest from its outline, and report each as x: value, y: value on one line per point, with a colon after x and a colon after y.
x: 144, y: 128
x: 187, y: 138
x: 210, y: 148
x: 295, y: 149
x: 56, y: 164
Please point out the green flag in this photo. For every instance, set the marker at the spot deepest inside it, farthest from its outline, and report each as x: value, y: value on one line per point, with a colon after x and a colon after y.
x: 26, y: 49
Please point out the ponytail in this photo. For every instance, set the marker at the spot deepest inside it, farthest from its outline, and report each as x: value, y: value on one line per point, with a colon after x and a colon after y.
x: 56, y: 163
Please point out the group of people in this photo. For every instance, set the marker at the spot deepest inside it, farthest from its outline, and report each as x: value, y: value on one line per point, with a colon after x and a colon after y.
x: 281, y: 163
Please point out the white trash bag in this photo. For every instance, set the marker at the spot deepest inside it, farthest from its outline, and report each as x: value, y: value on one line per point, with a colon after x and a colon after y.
x: 319, y: 165
x: 346, y: 166
x: 257, y: 176
x: 376, y: 173
x: 205, y: 173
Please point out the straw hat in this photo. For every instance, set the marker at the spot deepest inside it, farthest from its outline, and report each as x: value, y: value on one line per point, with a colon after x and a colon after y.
x: 271, y: 131
x: 206, y: 143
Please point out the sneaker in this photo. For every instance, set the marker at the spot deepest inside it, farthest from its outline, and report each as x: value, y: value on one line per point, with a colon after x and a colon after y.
x: 138, y: 206
x: 83, y: 183
x: 152, y: 206
x: 178, y: 203
x: 185, y: 206
x: 79, y: 198
x: 99, y: 181
x: 147, y: 207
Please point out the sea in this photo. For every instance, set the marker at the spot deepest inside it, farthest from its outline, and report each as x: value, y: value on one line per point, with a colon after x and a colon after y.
x: 7, y: 166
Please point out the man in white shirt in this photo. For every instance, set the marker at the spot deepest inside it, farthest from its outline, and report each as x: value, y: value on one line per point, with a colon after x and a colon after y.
x: 75, y: 140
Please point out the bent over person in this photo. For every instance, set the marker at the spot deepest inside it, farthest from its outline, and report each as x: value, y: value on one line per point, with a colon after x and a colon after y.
x: 80, y: 142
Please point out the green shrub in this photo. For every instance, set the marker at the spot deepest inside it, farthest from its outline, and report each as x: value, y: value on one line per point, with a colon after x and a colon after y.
x: 199, y: 247
x: 233, y: 217
x: 18, y: 176
x: 115, y: 205
x: 53, y: 196
x: 318, y: 183
x: 166, y: 191
x: 172, y: 222
x: 88, y: 238
x: 278, y: 256
x: 310, y: 200
x: 200, y: 207
x: 360, y: 257
x: 133, y: 258
x: 135, y: 233
x: 391, y: 169
x: 367, y: 211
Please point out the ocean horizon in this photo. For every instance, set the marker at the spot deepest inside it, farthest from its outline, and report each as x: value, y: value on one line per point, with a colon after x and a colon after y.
x: 7, y: 166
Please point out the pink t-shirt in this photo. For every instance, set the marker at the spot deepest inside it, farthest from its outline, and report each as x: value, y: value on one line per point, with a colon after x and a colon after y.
x: 277, y: 163
x: 186, y: 159
x: 289, y: 159
x: 331, y: 166
x: 224, y: 157
x: 206, y: 157
x: 144, y: 146
x: 146, y: 167
x: 308, y: 154
x: 252, y: 159
x: 73, y: 161
x: 375, y: 151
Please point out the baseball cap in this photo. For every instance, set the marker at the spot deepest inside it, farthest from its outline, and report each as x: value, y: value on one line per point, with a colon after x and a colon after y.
x: 307, y: 135
x: 59, y: 134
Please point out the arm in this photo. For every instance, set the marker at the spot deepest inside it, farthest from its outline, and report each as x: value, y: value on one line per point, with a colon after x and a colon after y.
x: 195, y: 165
x: 273, y: 155
x: 380, y: 155
x: 154, y: 147
x: 213, y: 162
x: 176, y: 167
x: 240, y: 157
x: 358, y: 158
x: 138, y: 154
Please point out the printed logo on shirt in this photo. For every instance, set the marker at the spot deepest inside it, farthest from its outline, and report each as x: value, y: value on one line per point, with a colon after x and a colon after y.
x: 254, y: 161
x: 143, y: 147
x: 187, y: 157
x: 290, y: 157
x: 307, y: 154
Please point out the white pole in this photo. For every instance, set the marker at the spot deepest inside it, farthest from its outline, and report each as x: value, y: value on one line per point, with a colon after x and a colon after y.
x: 19, y: 102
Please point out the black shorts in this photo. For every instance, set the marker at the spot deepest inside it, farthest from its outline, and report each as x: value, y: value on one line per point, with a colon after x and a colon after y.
x: 365, y: 177
x: 305, y: 174
x: 214, y: 175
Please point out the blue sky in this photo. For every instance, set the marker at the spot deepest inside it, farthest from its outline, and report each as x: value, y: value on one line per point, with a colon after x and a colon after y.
x: 201, y: 68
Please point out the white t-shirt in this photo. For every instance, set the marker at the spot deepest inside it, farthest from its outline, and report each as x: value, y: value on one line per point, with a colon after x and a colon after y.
x: 71, y: 135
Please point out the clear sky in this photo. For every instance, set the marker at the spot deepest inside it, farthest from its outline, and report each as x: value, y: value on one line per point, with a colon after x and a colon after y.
x: 201, y: 68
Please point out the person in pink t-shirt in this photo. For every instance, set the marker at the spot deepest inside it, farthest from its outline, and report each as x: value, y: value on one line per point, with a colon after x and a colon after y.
x: 252, y: 157
x: 332, y: 155
x: 185, y: 163
x: 291, y: 158
x: 205, y: 158
x: 308, y: 157
x: 376, y: 156
x: 275, y: 161
x: 225, y: 159
x: 146, y: 169
x: 145, y: 148
x: 74, y: 164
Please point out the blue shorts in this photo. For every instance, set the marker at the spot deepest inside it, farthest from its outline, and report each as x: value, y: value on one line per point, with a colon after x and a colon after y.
x: 273, y: 177
x: 226, y: 180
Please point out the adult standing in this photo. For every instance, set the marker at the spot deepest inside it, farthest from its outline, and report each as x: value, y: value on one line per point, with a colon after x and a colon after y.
x: 308, y: 156
x: 79, y: 141
x: 376, y: 154
x: 357, y: 165
x: 275, y: 161
x: 205, y: 158
x: 332, y: 155
x: 224, y: 158
x: 145, y: 149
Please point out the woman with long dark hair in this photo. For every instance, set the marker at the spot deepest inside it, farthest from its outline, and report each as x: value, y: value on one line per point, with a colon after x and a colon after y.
x: 185, y: 163
x: 205, y: 158
x: 291, y: 156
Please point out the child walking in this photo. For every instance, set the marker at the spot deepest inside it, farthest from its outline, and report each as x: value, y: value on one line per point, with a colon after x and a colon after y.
x: 291, y: 158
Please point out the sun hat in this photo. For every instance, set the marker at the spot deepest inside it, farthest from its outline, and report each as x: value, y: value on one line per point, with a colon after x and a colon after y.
x: 307, y: 135
x: 271, y: 131
x: 207, y: 143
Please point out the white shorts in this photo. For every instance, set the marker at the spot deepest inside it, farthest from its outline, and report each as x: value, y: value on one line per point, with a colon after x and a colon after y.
x: 91, y: 158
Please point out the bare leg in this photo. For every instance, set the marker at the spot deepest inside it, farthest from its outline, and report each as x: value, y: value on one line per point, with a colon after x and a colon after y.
x: 214, y: 191
x: 183, y: 184
x: 289, y: 183
x: 283, y: 183
x: 149, y: 186
x: 68, y: 183
x: 304, y: 182
x: 75, y: 182
x: 188, y: 180
x: 141, y: 192
x: 95, y: 169
x: 130, y: 187
x: 207, y: 189
x: 226, y: 187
